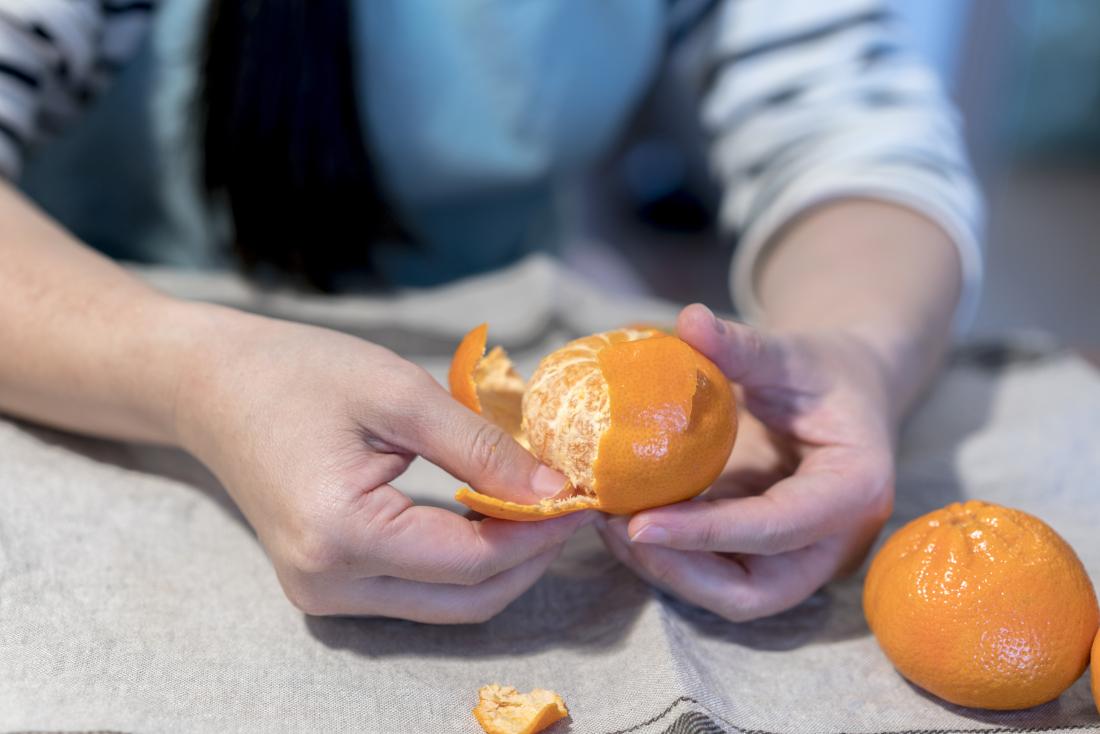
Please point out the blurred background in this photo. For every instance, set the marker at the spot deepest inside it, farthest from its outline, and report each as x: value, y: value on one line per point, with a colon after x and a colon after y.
x: 1025, y: 75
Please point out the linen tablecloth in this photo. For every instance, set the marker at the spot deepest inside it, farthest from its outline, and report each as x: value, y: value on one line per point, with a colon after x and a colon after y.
x: 134, y: 598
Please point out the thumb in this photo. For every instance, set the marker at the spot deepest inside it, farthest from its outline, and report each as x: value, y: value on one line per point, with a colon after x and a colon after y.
x: 466, y: 445
x: 747, y: 356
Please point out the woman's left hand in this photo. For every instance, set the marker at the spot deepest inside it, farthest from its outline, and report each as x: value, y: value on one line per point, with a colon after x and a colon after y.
x: 806, y: 490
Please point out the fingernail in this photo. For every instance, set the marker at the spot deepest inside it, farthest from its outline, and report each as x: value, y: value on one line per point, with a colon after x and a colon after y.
x: 718, y: 325
x: 546, y: 482
x: 650, y: 534
x: 715, y: 322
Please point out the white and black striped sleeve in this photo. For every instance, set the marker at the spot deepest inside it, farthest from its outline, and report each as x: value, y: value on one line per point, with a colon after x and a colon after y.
x: 55, y: 55
x: 809, y: 101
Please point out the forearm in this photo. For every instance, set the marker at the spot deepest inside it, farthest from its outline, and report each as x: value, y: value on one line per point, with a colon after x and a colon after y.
x: 879, y: 272
x: 84, y: 345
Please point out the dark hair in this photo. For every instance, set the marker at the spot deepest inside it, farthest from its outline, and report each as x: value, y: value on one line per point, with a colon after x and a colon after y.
x: 283, y: 142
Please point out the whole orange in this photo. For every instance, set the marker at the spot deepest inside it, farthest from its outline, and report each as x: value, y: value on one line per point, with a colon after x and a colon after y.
x: 982, y: 605
x: 634, y: 418
x: 1096, y: 672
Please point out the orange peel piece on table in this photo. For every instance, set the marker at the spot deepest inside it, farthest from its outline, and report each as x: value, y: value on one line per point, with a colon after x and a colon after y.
x: 645, y: 420
x: 504, y: 710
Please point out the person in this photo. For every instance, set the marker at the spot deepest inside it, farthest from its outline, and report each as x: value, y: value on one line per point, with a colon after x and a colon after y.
x: 319, y: 140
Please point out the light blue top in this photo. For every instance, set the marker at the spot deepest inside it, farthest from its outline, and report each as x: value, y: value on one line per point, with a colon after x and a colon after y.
x: 477, y: 111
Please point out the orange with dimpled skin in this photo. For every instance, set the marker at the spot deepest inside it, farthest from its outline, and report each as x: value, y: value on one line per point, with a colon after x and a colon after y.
x: 1096, y: 672
x: 982, y: 605
x: 634, y: 418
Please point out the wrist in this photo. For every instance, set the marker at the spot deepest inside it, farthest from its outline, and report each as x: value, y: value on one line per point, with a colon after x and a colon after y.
x: 887, y: 365
x: 885, y: 274
x: 909, y: 355
x: 199, y: 340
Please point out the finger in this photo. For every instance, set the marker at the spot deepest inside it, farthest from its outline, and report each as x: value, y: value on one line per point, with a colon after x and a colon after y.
x: 739, y: 590
x: 431, y: 423
x: 438, y: 603
x: 752, y: 358
x: 833, y: 488
x: 387, y: 535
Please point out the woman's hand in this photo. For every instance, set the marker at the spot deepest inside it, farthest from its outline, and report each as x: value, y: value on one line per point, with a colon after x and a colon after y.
x: 807, y: 488
x: 307, y: 427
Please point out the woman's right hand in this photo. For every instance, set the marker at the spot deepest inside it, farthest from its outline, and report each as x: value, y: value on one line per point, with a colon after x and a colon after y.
x: 307, y: 427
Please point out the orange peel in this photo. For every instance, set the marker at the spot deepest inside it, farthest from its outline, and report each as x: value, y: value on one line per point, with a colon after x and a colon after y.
x: 634, y: 418
x: 504, y: 710
x: 470, y: 352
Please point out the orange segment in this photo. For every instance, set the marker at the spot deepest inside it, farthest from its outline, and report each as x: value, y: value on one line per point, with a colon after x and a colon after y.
x: 672, y: 422
x: 461, y: 376
x: 504, y: 710
x: 507, y: 510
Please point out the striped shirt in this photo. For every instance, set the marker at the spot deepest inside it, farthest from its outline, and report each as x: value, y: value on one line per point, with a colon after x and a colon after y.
x: 802, y: 101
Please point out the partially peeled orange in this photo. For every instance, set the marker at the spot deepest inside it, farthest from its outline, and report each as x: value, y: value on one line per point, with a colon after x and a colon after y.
x: 634, y: 418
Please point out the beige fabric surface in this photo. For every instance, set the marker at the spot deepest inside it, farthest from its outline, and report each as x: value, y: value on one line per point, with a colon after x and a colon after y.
x: 134, y: 598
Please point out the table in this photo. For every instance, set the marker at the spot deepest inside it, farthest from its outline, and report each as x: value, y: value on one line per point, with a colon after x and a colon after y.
x: 133, y: 596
